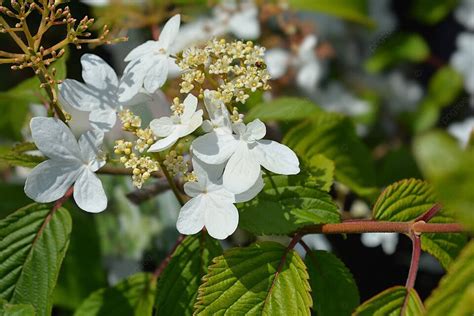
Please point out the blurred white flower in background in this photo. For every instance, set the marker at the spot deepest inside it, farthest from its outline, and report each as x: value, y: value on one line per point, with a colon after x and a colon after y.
x: 463, y: 59
x: 239, y: 18
x: 335, y: 98
x: 464, y: 14
x: 462, y: 131
x: 388, y: 241
x: 403, y: 95
x: 308, y: 67
x: 70, y: 162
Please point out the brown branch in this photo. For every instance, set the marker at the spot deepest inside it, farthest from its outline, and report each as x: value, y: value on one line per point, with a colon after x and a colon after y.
x: 124, y: 171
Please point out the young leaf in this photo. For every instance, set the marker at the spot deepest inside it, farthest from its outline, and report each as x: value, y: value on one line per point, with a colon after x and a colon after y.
x: 333, y: 288
x: 33, y: 242
x: 132, y: 296
x: 282, y: 109
x: 455, y: 293
x: 178, y: 284
x: 13, y: 158
x: 333, y: 136
x: 408, y: 199
x: 398, y: 48
x: 432, y: 12
x: 351, y: 10
x: 396, y: 300
x: 262, y: 279
x: 286, y: 204
x: 7, y: 309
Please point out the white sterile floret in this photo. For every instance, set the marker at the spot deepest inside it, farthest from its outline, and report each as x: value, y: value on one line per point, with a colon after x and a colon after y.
x: 388, y: 241
x: 176, y: 126
x: 219, y: 119
x: 245, y: 151
x: 99, y: 95
x: 149, y: 63
x: 463, y: 59
x: 212, y: 205
x: 239, y: 18
x: 462, y: 131
x: 70, y: 162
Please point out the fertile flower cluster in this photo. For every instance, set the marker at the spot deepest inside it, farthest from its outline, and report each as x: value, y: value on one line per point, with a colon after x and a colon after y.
x: 226, y: 161
x: 235, y: 68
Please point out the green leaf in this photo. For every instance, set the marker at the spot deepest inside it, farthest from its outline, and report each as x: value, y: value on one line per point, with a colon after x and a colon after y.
x: 282, y: 109
x: 321, y: 172
x: 13, y: 158
x: 432, y: 12
x: 7, y: 309
x: 333, y: 288
x: 408, y: 199
x: 450, y: 170
x: 351, y: 10
x: 33, y: 242
x: 401, y: 47
x: 334, y: 136
x: 396, y: 165
x: 285, y: 204
x: 178, y: 284
x: 132, y: 296
x: 391, y: 302
x: 263, y: 278
x: 443, y: 89
x: 75, y: 283
x: 455, y: 293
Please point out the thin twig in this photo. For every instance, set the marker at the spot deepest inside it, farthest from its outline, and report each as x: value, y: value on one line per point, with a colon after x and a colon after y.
x: 166, y: 261
x: 430, y: 213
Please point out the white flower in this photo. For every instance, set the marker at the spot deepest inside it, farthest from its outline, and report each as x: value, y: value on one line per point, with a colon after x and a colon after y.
x: 240, y: 19
x: 212, y: 205
x: 462, y: 131
x: 337, y: 99
x: 176, y: 126
x: 149, y: 62
x: 463, y: 59
x: 309, y: 69
x: 99, y: 95
x: 388, y: 241
x: 219, y: 119
x: 245, y: 152
x: 70, y: 162
x: 464, y: 14
x: 403, y: 95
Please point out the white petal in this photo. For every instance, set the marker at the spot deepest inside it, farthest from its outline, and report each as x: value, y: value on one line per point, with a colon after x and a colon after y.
x: 389, y: 243
x: 252, y: 192
x: 242, y: 170
x: 103, y: 120
x: 140, y: 51
x: 207, y: 173
x: 193, y: 189
x: 371, y: 239
x: 221, y: 219
x: 156, y: 75
x: 132, y: 79
x: 277, y: 62
x: 81, y: 97
x: 90, y: 143
x: 54, y: 139
x: 97, y: 73
x: 162, y: 127
x: 190, y: 106
x: 191, y: 216
x: 213, y: 148
x: 245, y: 25
x: 170, y: 31
x: 165, y: 143
x: 256, y: 130
x: 307, y: 47
x: 89, y: 193
x: 193, y: 124
x: 50, y: 180
x: 308, y: 76
x: 276, y: 157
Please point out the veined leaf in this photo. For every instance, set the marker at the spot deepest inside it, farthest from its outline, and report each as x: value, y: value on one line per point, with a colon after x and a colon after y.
x: 263, y: 278
x: 333, y: 288
x: 33, y: 242
x: 7, y: 309
x: 282, y: 109
x: 455, y: 293
x: 178, y: 284
x: 391, y: 302
x: 398, y: 48
x: 351, y: 10
x: 132, y: 296
x: 286, y: 204
x: 405, y: 201
x: 333, y: 136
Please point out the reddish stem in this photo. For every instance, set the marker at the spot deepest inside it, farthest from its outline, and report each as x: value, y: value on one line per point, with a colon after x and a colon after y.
x: 166, y: 261
x: 415, y: 260
x: 430, y: 213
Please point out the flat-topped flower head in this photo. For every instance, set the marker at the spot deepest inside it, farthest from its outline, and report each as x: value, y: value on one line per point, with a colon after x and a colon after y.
x: 99, y: 94
x: 176, y: 126
x: 149, y: 63
x: 70, y: 162
x: 212, y: 205
x: 245, y: 151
